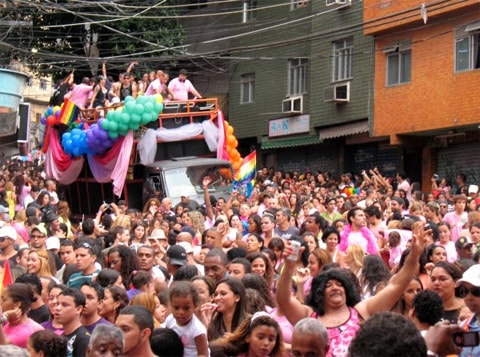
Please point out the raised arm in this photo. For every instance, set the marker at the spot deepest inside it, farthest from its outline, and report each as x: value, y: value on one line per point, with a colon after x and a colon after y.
x: 130, y: 66
x: 104, y: 69
x: 290, y: 306
x: 387, y: 297
x: 206, y: 197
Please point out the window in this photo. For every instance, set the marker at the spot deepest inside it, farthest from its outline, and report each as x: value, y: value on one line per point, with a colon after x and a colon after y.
x: 43, y: 84
x: 247, y: 88
x: 467, y: 47
x: 399, y: 63
x: 249, y: 7
x: 297, y: 76
x: 342, y: 59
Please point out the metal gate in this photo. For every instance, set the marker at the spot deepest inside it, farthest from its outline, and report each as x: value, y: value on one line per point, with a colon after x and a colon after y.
x: 464, y: 158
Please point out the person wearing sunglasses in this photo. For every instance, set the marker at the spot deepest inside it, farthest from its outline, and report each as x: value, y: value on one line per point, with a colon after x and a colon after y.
x: 468, y: 288
x: 8, y: 236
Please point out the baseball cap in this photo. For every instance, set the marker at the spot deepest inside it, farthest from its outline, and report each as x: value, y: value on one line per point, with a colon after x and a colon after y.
x: 39, y: 228
x: 177, y: 255
x: 187, y: 246
x: 8, y: 232
x: 50, y: 216
x: 473, y: 189
x: 471, y: 275
x: 463, y: 242
x: 52, y: 243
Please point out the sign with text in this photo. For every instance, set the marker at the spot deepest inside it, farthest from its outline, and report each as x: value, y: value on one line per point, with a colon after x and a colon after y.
x: 290, y: 125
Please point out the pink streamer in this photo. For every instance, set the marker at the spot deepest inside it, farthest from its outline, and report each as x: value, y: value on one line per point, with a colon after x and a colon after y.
x: 59, y: 165
x: 221, y: 147
x: 116, y: 168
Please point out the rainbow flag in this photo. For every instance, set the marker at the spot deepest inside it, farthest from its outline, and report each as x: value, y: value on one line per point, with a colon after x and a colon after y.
x: 68, y: 113
x: 247, y: 171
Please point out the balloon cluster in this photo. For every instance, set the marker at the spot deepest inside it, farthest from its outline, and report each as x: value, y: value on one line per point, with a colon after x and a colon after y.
x: 98, y: 139
x: 81, y: 138
x: 141, y: 111
x: 51, y: 115
x: 75, y: 142
x: 232, y: 143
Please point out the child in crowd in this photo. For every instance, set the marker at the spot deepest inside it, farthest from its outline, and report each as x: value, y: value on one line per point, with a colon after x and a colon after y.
x: 258, y: 335
x: 183, y: 301
x: 395, y: 249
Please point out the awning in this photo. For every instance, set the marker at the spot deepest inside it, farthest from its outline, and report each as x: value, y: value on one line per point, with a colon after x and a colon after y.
x: 289, y: 142
x: 343, y: 130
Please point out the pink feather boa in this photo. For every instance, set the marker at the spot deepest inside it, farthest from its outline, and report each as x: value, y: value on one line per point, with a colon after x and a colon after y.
x: 366, y: 233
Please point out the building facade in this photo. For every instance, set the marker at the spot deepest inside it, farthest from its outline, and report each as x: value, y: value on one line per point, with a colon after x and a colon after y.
x: 427, y: 77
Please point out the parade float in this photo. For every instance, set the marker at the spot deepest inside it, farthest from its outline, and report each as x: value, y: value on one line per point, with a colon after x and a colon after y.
x: 140, y: 148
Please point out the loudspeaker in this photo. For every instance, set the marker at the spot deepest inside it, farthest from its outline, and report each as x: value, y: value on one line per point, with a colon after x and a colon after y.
x: 23, y: 132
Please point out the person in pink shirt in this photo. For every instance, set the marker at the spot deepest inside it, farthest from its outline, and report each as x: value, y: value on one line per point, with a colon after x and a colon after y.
x: 155, y: 87
x: 181, y: 86
x: 16, y: 327
x: 81, y: 93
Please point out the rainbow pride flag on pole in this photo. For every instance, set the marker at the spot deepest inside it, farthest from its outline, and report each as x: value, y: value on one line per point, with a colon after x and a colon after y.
x: 244, y: 178
x: 68, y: 113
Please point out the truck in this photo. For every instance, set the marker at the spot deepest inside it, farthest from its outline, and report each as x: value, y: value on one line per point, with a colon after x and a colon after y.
x: 178, y: 169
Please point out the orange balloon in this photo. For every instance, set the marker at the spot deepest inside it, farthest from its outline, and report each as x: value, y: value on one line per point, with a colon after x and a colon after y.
x: 231, y: 140
x: 230, y: 130
x: 235, y: 155
x: 236, y: 165
x: 235, y: 143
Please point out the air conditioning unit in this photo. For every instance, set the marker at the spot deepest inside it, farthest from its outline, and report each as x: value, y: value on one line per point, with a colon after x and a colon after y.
x: 338, y: 93
x: 292, y: 105
x: 338, y: 2
x: 302, y: 4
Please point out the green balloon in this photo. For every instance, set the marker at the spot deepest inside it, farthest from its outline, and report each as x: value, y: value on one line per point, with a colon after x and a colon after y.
x: 139, y: 109
x: 129, y: 99
x: 135, y: 118
x: 113, y: 134
x: 122, y: 127
x: 116, y: 116
x: 158, y: 108
x: 106, y: 124
x: 113, y: 126
x: 135, y: 126
x: 123, y: 132
x: 125, y: 118
x: 142, y: 99
x: 110, y: 114
x: 147, y: 117
x: 148, y: 107
x: 130, y: 107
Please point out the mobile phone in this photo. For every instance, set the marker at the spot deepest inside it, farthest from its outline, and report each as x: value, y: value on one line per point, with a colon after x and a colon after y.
x: 466, y: 339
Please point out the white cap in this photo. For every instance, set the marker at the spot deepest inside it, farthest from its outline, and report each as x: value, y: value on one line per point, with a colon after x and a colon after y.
x: 52, y: 243
x: 471, y: 275
x: 188, y: 247
x: 9, y: 232
x: 473, y: 189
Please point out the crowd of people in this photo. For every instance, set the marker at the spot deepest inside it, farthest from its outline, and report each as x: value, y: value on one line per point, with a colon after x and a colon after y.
x: 308, y: 265
x: 104, y: 91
